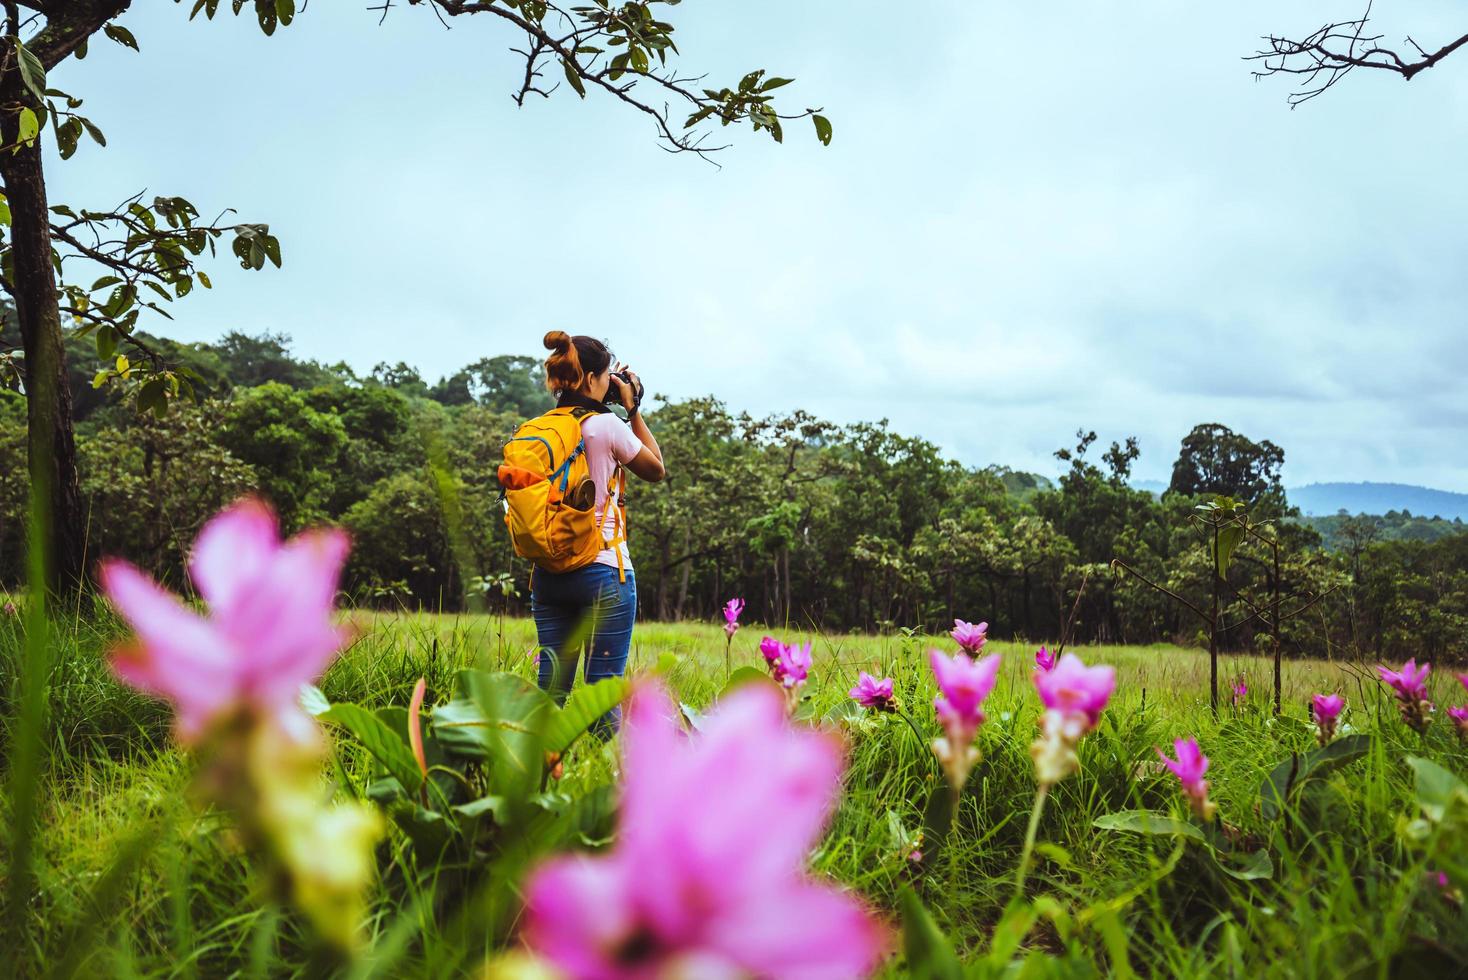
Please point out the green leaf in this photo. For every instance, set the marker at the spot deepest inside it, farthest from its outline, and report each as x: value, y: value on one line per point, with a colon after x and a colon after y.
x: 4, y: 209
x: 313, y: 700
x: 29, y: 126
x: 743, y: 676
x: 1149, y: 822
x: 387, y: 747
x: 930, y: 955
x: 1019, y: 919
x: 499, y: 718
x: 582, y: 710
x: 1437, y: 789
x: 1249, y: 867
x: 1287, y: 777
x: 823, y: 129
x: 574, y: 78
x: 1226, y: 542
x: 92, y: 130
x: 937, y: 820
x: 775, y: 83
x: 121, y: 35
x: 32, y: 72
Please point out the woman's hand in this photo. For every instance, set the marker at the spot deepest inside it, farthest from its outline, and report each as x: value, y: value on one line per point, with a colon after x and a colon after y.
x: 627, y: 393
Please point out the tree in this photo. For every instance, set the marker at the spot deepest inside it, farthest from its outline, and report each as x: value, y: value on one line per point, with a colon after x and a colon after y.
x: 1215, y: 461
x: 145, y: 252
x: 1330, y: 53
x: 256, y: 360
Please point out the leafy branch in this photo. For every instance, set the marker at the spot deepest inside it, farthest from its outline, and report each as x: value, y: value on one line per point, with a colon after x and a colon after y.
x: 616, y: 47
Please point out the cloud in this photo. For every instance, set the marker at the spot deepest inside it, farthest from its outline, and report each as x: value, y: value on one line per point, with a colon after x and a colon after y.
x: 1032, y: 219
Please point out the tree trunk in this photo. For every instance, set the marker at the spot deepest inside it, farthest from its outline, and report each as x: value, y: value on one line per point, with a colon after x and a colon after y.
x: 789, y: 602
x: 51, y: 439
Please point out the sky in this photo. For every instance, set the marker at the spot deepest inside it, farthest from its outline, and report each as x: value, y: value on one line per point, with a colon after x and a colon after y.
x: 1033, y: 218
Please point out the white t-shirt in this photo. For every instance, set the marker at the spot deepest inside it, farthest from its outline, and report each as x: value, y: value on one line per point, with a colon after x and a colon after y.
x: 609, y: 441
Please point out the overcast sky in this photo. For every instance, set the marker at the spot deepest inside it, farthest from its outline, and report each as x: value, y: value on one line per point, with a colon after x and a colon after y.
x: 1033, y: 218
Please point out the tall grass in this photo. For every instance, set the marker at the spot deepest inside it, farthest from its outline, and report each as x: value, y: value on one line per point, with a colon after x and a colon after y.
x: 1348, y: 897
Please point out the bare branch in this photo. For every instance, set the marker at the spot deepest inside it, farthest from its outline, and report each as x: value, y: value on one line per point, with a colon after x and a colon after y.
x: 1323, y: 58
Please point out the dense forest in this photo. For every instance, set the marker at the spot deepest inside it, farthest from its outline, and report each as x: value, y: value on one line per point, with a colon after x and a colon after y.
x: 838, y: 526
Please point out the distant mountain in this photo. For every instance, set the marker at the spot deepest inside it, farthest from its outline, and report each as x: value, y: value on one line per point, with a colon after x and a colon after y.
x: 1378, y: 498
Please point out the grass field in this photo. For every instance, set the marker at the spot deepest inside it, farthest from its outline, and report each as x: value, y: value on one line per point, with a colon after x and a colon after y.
x: 133, y: 880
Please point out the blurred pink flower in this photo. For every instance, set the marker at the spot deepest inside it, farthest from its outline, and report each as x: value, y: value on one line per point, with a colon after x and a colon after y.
x: 1044, y: 659
x: 1463, y: 679
x: 872, y: 693
x: 963, y: 684
x: 1460, y: 720
x: 1240, y: 690
x: 1189, y: 767
x: 1410, y: 682
x: 732, y: 609
x: 769, y: 648
x: 269, y: 630
x: 1072, y: 686
x: 971, y: 637
x: 9, y: 608
x: 706, y: 877
x: 794, y: 664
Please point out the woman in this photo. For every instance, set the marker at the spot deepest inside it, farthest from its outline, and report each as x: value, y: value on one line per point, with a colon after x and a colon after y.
x: 600, y: 597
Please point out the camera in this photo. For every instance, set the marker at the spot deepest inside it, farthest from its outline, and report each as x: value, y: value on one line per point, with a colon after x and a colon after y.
x: 614, y: 393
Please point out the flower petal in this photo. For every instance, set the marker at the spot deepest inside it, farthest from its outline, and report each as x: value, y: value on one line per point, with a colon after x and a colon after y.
x: 234, y: 549
x: 178, y: 656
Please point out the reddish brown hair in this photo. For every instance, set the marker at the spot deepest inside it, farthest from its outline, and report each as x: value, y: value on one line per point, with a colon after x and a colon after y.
x: 572, y: 359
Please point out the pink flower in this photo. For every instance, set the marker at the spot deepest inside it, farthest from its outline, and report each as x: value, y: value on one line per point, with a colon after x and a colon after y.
x: 963, y: 684
x: 1189, y: 767
x: 9, y: 608
x: 1463, y: 679
x: 872, y: 693
x: 1044, y: 659
x: 971, y: 637
x: 769, y: 648
x: 269, y: 628
x: 1410, y: 682
x: 706, y: 877
x: 732, y: 609
x: 1241, y: 690
x: 794, y: 664
x: 1073, y: 687
x: 1327, y: 707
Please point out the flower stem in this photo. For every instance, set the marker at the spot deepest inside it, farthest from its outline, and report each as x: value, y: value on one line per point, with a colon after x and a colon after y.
x: 1024, y: 860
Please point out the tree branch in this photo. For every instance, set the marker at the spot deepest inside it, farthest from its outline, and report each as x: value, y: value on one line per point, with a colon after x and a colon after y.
x: 1326, y: 56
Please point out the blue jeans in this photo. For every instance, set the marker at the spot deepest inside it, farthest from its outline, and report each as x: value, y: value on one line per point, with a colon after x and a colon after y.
x: 571, y: 608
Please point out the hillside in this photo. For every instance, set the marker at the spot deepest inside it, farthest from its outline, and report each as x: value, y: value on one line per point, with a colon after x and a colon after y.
x: 1378, y: 498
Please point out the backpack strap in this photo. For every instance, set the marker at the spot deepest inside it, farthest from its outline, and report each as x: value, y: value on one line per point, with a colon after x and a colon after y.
x: 619, y: 478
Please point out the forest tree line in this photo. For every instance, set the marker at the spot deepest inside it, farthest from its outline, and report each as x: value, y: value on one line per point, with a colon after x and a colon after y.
x: 834, y: 526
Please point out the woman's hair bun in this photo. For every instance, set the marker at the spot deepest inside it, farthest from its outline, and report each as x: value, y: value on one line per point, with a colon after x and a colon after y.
x: 558, y: 341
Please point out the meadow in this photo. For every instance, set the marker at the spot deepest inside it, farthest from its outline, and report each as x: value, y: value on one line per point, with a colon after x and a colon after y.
x: 134, y: 877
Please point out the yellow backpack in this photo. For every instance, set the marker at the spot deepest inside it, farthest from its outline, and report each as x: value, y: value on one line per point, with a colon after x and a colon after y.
x: 549, y: 497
